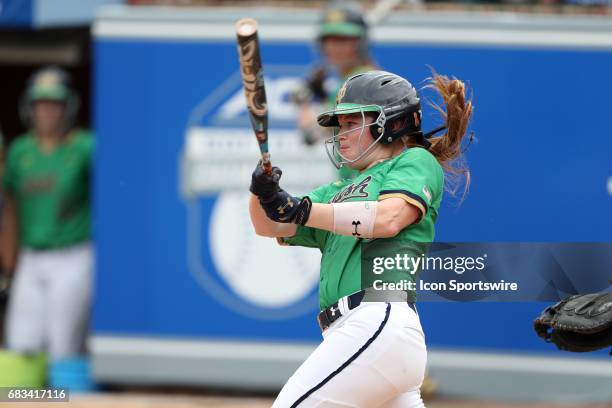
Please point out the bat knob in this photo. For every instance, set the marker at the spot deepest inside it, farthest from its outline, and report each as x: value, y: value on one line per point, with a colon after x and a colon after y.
x: 246, y: 27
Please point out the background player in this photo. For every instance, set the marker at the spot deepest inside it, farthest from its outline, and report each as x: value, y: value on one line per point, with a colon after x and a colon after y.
x: 46, y: 222
x: 344, y: 45
x: 373, y: 353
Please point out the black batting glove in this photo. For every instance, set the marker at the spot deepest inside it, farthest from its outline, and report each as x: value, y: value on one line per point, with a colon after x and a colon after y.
x: 313, y: 88
x: 283, y: 207
x: 264, y: 185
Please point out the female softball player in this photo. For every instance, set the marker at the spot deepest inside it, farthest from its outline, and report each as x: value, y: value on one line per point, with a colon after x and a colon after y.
x: 46, y: 223
x: 373, y: 353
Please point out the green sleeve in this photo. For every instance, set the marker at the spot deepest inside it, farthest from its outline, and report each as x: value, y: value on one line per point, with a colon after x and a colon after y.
x: 416, y: 177
x: 307, y: 236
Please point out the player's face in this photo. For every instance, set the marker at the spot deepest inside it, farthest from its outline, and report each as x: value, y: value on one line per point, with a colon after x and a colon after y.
x: 354, y: 134
x: 48, y: 116
x: 340, y: 50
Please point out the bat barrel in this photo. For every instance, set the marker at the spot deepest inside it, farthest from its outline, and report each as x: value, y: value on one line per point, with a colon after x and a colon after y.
x: 253, y: 82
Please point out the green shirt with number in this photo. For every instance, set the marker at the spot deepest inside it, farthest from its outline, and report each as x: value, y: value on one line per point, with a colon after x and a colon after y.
x: 51, y: 190
x: 414, y: 176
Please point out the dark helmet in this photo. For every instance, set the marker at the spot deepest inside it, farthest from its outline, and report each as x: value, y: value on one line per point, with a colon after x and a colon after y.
x: 342, y: 19
x: 393, y: 97
x: 52, y: 84
x: 345, y: 20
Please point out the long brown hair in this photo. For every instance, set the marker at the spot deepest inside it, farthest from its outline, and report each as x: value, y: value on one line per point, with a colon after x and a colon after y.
x: 447, y: 148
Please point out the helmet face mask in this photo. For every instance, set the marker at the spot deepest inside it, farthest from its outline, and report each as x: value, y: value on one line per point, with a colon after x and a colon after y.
x: 332, y: 144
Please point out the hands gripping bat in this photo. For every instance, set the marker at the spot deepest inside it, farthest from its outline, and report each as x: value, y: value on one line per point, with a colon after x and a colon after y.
x: 253, y: 82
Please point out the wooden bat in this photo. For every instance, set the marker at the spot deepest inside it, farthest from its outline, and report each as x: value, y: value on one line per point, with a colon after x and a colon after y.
x: 253, y: 82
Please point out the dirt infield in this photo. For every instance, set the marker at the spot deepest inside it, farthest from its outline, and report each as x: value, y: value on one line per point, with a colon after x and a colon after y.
x: 139, y: 400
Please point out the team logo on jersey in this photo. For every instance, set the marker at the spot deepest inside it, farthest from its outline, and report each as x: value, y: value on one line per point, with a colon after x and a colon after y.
x: 38, y: 185
x: 352, y: 191
x: 427, y: 193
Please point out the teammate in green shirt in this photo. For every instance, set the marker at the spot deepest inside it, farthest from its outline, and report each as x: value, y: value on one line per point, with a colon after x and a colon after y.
x: 343, y: 42
x: 46, y: 222
x: 50, y: 185
x: 373, y: 353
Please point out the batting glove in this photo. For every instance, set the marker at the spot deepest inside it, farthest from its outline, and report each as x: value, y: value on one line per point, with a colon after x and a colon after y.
x: 264, y: 185
x: 283, y: 207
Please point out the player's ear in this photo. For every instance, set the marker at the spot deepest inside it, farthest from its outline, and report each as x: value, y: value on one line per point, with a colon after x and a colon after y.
x: 417, y: 119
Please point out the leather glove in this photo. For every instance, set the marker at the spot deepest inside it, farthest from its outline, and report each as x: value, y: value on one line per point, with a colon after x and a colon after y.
x: 283, y: 207
x: 264, y: 185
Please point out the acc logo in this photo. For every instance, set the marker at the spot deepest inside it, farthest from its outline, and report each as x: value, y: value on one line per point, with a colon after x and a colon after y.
x: 279, y: 87
x: 245, y: 273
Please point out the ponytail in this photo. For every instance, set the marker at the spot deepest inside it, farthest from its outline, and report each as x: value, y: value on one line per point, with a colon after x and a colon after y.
x: 447, y: 149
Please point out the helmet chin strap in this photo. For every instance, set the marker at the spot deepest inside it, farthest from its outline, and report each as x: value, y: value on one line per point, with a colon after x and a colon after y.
x: 422, y: 138
x: 433, y: 132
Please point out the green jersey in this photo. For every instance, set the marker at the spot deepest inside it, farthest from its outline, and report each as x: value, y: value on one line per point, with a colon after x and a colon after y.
x: 414, y: 176
x: 51, y: 190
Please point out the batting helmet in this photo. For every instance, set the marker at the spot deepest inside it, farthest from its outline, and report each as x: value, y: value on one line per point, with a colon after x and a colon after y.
x: 345, y: 20
x: 50, y: 84
x: 391, y: 96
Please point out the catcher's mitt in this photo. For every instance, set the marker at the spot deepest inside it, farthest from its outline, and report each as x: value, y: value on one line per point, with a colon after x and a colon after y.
x: 578, y: 323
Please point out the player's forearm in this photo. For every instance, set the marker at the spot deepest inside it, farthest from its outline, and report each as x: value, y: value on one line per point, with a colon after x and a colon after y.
x: 261, y: 223
x: 321, y: 217
x: 266, y: 227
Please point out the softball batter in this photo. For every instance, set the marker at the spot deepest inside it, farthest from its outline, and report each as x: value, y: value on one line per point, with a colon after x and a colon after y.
x: 373, y: 353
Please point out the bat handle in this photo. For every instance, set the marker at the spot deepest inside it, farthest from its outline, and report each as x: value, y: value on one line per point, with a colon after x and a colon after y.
x: 266, y: 163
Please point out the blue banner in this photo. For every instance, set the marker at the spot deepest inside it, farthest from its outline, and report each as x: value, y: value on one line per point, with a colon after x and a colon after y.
x: 16, y: 13
x: 177, y: 257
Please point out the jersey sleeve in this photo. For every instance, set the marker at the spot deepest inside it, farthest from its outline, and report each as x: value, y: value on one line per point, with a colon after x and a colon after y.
x: 308, y: 236
x: 416, y: 177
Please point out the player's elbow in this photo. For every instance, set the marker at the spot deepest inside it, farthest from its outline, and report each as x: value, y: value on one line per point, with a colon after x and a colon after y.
x: 262, y: 229
x: 389, y: 229
x: 265, y: 233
